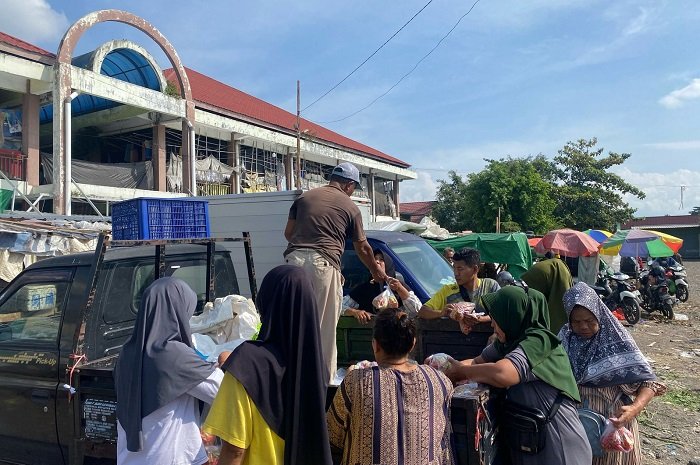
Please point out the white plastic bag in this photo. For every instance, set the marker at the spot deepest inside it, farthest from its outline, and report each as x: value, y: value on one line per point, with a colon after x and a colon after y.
x: 224, y: 325
x: 386, y: 299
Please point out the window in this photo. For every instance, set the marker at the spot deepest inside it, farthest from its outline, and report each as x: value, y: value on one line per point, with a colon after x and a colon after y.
x: 32, y: 312
x: 125, y: 282
x: 429, y: 268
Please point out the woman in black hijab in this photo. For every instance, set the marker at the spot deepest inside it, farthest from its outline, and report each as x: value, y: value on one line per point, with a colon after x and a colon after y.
x: 160, y: 379
x: 271, y: 405
x: 358, y: 302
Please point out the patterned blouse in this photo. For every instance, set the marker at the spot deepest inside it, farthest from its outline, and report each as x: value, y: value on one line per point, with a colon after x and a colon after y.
x: 383, y: 415
x: 607, y: 401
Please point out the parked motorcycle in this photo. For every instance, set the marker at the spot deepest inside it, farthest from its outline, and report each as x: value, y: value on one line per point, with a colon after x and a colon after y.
x: 678, y: 282
x: 655, y: 294
x: 618, y: 293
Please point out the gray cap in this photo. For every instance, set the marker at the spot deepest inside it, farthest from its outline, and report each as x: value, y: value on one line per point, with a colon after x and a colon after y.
x: 348, y: 171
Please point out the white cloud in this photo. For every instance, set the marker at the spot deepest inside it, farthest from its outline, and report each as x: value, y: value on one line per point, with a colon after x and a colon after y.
x: 678, y: 97
x: 33, y: 21
x: 421, y: 189
x: 637, y: 24
x: 676, y: 145
x: 663, y: 191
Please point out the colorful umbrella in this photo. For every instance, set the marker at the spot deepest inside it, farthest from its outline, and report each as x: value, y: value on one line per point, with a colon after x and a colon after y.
x: 600, y: 235
x: 635, y: 243
x: 567, y: 242
x: 673, y: 242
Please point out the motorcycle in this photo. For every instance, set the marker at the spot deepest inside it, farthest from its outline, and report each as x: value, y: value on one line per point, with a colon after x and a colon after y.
x: 624, y: 297
x: 655, y: 295
x: 677, y: 282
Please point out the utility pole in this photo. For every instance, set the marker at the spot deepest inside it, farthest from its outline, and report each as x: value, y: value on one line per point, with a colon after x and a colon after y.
x: 298, y: 161
x: 498, y: 221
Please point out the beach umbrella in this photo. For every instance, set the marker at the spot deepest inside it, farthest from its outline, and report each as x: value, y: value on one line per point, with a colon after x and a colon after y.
x: 567, y: 242
x: 635, y: 243
x: 600, y: 235
x: 673, y: 242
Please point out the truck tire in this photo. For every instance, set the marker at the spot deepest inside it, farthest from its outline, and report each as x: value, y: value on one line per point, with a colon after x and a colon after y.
x: 667, y: 309
x: 631, y: 310
x: 682, y: 293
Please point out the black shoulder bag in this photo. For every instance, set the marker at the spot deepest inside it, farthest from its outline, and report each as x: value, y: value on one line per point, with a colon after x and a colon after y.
x: 525, y: 428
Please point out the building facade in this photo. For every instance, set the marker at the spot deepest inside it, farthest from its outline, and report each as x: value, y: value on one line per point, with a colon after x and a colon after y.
x: 81, y: 132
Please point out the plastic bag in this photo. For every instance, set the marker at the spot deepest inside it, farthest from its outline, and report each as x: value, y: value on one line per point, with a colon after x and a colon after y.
x: 616, y: 439
x: 459, y: 309
x: 386, y: 299
x: 439, y: 361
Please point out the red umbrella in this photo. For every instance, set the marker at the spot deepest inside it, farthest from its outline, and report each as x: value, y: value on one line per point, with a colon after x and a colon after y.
x: 533, y: 241
x: 567, y: 242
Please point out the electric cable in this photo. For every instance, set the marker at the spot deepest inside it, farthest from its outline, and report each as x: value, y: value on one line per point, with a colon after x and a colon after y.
x: 368, y: 58
x: 407, y: 74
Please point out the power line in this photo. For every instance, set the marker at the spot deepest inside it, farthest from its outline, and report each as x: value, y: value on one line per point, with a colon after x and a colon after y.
x: 367, y: 59
x: 408, y: 73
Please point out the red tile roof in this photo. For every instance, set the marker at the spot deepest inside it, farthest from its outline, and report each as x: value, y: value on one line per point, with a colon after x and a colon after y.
x: 660, y: 221
x: 211, y: 92
x: 27, y: 47
x: 416, y: 208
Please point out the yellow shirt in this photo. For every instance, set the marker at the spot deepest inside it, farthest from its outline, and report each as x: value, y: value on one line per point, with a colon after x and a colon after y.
x: 235, y: 419
x: 449, y: 294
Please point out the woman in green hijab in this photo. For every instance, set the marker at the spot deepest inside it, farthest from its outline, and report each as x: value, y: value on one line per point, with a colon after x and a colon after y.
x: 552, y: 278
x: 529, y: 362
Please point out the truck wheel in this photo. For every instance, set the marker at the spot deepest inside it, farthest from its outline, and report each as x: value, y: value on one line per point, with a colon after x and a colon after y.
x: 682, y: 293
x: 667, y: 309
x: 630, y: 308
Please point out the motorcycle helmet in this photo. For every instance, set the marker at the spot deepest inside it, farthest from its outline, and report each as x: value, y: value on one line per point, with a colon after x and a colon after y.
x: 505, y: 279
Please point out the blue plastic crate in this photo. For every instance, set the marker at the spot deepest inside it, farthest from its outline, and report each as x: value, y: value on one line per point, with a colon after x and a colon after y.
x: 149, y: 218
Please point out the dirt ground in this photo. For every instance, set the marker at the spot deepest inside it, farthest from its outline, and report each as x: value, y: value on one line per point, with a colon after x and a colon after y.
x: 671, y: 424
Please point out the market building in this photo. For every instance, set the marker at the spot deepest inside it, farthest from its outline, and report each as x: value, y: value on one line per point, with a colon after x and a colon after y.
x: 81, y: 132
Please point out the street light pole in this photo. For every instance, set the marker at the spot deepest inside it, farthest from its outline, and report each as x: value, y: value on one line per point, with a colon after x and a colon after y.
x: 298, y: 161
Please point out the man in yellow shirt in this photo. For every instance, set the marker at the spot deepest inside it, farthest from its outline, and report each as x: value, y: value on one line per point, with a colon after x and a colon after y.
x: 467, y: 288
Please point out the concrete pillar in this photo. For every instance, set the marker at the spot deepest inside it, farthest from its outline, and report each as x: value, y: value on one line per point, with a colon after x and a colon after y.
x: 396, y: 198
x: 187, y: 155
x: 61, y: 90
x: 288, y: 172
x: 371, y: 192
x: 30, y: 137
x: 234, y: 160
x: 160, y: 182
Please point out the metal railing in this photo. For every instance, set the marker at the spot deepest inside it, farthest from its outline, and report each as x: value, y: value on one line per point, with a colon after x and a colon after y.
x: 13, y: 164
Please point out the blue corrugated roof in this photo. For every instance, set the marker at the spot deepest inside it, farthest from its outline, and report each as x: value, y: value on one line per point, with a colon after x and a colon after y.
x: 124, y: 64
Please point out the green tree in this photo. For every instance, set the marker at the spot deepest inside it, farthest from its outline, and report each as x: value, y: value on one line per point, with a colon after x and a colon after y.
x: 450, y: 205
x: 513, y: 184
x: 517, y: 187
x: 588, y: 195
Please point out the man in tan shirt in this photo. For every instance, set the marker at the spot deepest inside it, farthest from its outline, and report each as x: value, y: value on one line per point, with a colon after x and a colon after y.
x: 320, y: 221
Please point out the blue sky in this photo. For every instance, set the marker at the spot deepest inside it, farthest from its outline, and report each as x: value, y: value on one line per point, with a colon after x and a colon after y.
x: 514, y: 78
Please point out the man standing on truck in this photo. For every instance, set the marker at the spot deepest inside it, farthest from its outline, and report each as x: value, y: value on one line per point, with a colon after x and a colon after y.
x: 320, y: 221
x: 467, y: 288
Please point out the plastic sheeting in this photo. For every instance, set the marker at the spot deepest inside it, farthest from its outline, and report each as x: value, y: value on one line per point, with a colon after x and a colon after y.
x: 138, y: 175
x: 400, y: 226
x: 23, y: 242
x: 209, y: 169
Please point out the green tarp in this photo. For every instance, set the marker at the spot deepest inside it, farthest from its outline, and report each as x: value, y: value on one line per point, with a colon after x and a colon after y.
x: 5, y: 199
x: 510, y: 248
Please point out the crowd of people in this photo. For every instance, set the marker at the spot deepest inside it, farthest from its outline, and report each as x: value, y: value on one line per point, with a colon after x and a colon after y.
x: 555, y: 348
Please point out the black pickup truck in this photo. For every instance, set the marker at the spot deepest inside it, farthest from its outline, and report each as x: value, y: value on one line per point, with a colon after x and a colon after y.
x: 63, y: 321
x: 47, y: 334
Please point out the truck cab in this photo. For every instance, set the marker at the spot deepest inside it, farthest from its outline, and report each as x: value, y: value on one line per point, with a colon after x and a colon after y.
x: 41, y: 312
